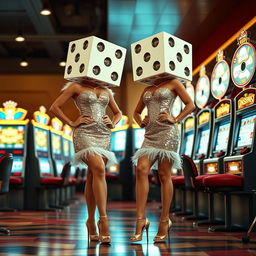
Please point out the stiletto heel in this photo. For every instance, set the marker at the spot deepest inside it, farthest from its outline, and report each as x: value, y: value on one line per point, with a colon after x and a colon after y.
x: 104, y: 239
x: 138, y: 237
x: 91, y: 237
x: 160, y: 239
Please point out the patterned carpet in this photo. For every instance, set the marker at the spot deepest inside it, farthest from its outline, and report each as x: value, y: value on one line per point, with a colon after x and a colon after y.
x: 63, y: 233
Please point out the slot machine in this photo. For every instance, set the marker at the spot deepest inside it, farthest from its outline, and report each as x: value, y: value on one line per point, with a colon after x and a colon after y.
x: 242, y: 160
x: 204, y: 121
x: 13, y: 139
x: 39, y: 162
x: 56, y: 134
x: 223, y: 117
x: 118, y: 143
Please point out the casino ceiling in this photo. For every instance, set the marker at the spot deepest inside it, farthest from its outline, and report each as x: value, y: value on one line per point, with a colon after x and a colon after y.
x: 119, y: 21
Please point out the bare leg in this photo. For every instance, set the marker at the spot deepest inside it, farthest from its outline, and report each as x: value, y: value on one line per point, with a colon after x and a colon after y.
x: 90, y: 201
x: 142, y: 188
x: 164, y: 172
x: 97, y: 166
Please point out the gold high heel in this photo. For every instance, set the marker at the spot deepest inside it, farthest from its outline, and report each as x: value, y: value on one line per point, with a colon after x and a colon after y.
x: 138, y: 237
x: 160, y: 239
x: 106, y: 238
x: 91, y: 237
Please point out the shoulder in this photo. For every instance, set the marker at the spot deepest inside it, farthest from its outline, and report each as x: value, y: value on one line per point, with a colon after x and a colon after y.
x: 71, y: 87
x: 109, y: 92
x: 175, y: 84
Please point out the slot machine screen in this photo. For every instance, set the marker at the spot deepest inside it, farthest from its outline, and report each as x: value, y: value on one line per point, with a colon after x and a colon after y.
x: 66, y: 148
x: 12, y: 136
x: 245, y: 133
x: 203, y: 141
x: 138, y: 137
x: 118, y: 141
x: 56, y: 144
x: 44, y: 165
x: 189, y: 144
x: 41, y: 139
x: 222, y: 137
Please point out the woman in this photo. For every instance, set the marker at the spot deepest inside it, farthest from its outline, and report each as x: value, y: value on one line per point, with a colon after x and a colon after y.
x: 161, y: 145
x: 91, y: 139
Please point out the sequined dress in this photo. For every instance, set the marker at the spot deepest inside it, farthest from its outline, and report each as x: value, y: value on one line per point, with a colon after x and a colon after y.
x: 161, y: 139
x: 92, y: 138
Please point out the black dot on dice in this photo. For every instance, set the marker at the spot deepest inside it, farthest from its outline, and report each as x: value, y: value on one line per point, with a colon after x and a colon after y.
x: 139, y: 71
x: 186, y: 71
x: 107, y: 61
x: 155, y: 42
x: 100, y: 47
x: 73, y: 47
x: 77, y: 58
x: 179, y: 57
x: 81, y: 69
x: 147, y: 56
x: 114, y: 76
x: 96, y: 70
x: 137, y: 48
x: 69, y: 69
x: 171, y: 42
x: 85, y: 45
x: 156, y: 65
x: 119, y: 54
x: 171, y: 65
x: 186, y: 49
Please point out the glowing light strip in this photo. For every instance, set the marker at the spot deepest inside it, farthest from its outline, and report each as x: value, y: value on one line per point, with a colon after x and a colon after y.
x: 225, y: 45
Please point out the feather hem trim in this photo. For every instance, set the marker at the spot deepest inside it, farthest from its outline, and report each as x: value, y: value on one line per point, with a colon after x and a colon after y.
x: 82, y: 154
x: 158, y: 154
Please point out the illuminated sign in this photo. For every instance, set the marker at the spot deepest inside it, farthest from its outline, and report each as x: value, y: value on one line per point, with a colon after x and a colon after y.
x: 246, y: 100
x: 204, y: 117
x: 222, y: 110
x: 189, y: 123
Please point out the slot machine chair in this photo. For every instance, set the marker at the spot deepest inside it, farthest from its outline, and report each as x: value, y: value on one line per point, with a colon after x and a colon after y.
x: 5, y: 172
x: 226, y: 184
x: 51, y: 196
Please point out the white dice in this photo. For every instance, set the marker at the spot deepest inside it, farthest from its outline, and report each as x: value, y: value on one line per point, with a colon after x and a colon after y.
x: 161, y: 56
x: 96, y: 60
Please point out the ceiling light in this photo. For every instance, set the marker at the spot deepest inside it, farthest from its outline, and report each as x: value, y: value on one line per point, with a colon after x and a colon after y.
x: 19, y: 37
x: 23, y: 63
x: 45, y: 10
x: 62, y: 63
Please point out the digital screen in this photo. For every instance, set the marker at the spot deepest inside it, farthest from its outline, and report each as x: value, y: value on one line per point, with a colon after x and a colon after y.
x: 203, y: 141
x: 222, y: 137
x: 118, y: 140
x: 245, y: 133
x: 44, y: 165
x: 66, y: 148
x: 138, y: 137
x: 12, y: 136
x: 59, y: 166
x: 41, y: 139
x: 17, y: 164
x: 189, y: 138
x: 56, y: 144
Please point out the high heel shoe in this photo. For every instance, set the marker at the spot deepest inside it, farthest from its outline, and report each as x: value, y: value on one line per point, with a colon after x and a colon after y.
x: 91, y: 237
x: 160, y: 239
x: 104, y: 239
x: 138, y: 237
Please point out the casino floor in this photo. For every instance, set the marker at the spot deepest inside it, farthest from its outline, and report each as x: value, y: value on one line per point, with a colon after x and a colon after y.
x: 64, y: 233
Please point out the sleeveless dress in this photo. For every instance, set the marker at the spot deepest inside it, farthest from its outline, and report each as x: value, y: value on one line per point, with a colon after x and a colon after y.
x: 161, y: 139
x: 92, y: 138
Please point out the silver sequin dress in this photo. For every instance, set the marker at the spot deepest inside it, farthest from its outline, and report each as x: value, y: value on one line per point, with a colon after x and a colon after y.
x: 161, y: 139
x: 92, y: 138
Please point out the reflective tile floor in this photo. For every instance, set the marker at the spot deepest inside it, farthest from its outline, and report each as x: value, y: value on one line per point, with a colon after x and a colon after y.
x: 63, y: 233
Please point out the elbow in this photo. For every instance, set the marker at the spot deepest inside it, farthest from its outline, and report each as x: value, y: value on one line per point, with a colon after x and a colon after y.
x: 193, y: 106
x: 52, y: 109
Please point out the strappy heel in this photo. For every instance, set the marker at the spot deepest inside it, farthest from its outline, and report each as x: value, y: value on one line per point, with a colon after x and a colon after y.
x: 138, y: 237
x: 91, y: 237
x: 104, y: 239
x: 161, y: 239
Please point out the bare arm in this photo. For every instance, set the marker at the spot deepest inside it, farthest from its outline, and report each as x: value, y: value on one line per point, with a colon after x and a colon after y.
x: 61, y: 100
x: 117, y: 114
x: 139, y: 108
x: 189, y: 105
